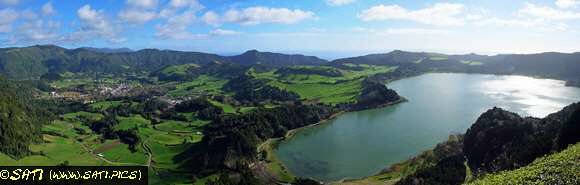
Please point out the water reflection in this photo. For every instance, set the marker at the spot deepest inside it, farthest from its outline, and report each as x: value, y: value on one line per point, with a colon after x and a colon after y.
x: 362, y: 143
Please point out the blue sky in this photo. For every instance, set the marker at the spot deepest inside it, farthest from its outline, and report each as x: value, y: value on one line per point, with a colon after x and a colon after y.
x: 320, y: 27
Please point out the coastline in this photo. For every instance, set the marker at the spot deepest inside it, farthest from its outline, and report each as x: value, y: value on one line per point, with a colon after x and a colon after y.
x: 271, y: 144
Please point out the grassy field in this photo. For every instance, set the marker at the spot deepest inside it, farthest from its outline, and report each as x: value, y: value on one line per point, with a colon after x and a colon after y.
x: 247, y: 109
x: 438, y: 58
x: 315, y: 78
x: 121, y: 154
x: 76, y: 117
x: 55, y: 151
x: 326, y: 93
x: 558, y: 168
x: 171, y: 125
x: 204, y: 83
x: 473, y: 63
x: 178, y: 69
x: 226, y: 107
x: 325, y: 89
x: 127, y: 123
x: 104, y: 105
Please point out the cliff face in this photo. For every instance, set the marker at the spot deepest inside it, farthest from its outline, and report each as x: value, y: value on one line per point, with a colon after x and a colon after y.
x: 501, y: 140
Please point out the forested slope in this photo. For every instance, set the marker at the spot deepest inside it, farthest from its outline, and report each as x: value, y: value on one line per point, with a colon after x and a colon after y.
x: 20, y: 121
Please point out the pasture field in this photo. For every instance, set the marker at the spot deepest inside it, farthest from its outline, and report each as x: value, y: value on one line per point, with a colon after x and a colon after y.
x: 127, y: 123
x: 203, y: 83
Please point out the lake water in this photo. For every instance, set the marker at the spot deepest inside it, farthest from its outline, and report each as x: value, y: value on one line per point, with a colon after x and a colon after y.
x: 359, y: 144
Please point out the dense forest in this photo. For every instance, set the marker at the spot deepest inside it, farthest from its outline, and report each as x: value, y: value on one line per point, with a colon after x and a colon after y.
x: 231, y: 140
x: 20, y: 120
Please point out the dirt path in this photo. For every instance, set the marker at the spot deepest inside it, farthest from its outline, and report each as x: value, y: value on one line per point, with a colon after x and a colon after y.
x: 149, y: 152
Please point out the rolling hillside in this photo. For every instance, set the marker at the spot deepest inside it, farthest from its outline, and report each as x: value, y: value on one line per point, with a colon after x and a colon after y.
x: 35, y: 61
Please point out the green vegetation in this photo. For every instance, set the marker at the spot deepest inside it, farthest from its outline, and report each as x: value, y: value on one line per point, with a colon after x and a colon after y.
x: 326, y: 93
x: 227, y: 108
x: 201, y: 118
x: 319, y: 74
x: 99, y: 106
x: 20, y: 120
x: 558, y: 168
x: 178, y: 69
x: 324, y: 84
x: 202, y: 84
x: 272, y: 163
x: 473, y: 63
x: 122, y: 155
x: 172, y: 125
x: 81, y: 116
x: 126, y: 123
x: 438, y: 58
x: 426, y: 159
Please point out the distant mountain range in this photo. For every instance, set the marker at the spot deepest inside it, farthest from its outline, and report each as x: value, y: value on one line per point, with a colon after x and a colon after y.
x: 35, y: 61
x: 108, y: 50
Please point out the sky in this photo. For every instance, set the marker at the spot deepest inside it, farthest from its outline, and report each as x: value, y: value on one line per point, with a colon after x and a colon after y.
x: 331, y: 28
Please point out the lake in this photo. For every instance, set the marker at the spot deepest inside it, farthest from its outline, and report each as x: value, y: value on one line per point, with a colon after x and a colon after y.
x: 359, y: 144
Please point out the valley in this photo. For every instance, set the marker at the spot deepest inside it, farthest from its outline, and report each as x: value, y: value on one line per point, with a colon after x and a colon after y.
x: 198, y: 118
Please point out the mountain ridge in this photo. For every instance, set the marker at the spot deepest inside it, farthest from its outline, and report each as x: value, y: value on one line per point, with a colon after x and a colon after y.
x: 34, y: 61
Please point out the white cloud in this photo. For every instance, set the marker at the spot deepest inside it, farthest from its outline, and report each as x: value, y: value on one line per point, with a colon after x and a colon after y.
x: 136, y: 16
x: 442, y: 14
x: 179, y: 15
x: 38, y: 31
x: 363, y: 29
x: 94, y: 25
x: 9, y: 2
x: 176, y: 27
x: 47, y: 9
x: 176, y: 33
x: 473, y: 17
x: 143, y: 3
x: 211, y: 18
x: 8, y: 16
x: 175, y: 7
x: 507, y: 22
x: 220, y: 32
x: 289, y: 34
x: 413, y: 31
x: 339, y: 2
x: 186, y: 3
x: 259, y: 15
x: 567, y: 3
x: 402, y: 31
x: 5, y: 28
x: 548, y: 13
x: 29, y: 14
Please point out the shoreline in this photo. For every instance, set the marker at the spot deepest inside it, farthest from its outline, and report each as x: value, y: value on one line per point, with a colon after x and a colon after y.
x: 271, y: 144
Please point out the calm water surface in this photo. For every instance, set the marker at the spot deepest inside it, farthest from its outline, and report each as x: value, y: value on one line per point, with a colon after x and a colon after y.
x: 359, y: 144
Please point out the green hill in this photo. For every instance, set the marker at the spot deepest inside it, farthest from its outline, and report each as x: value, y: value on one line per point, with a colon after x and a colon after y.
x: 558, y: 168
x: 34, y: 61
x: 20, y: 122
